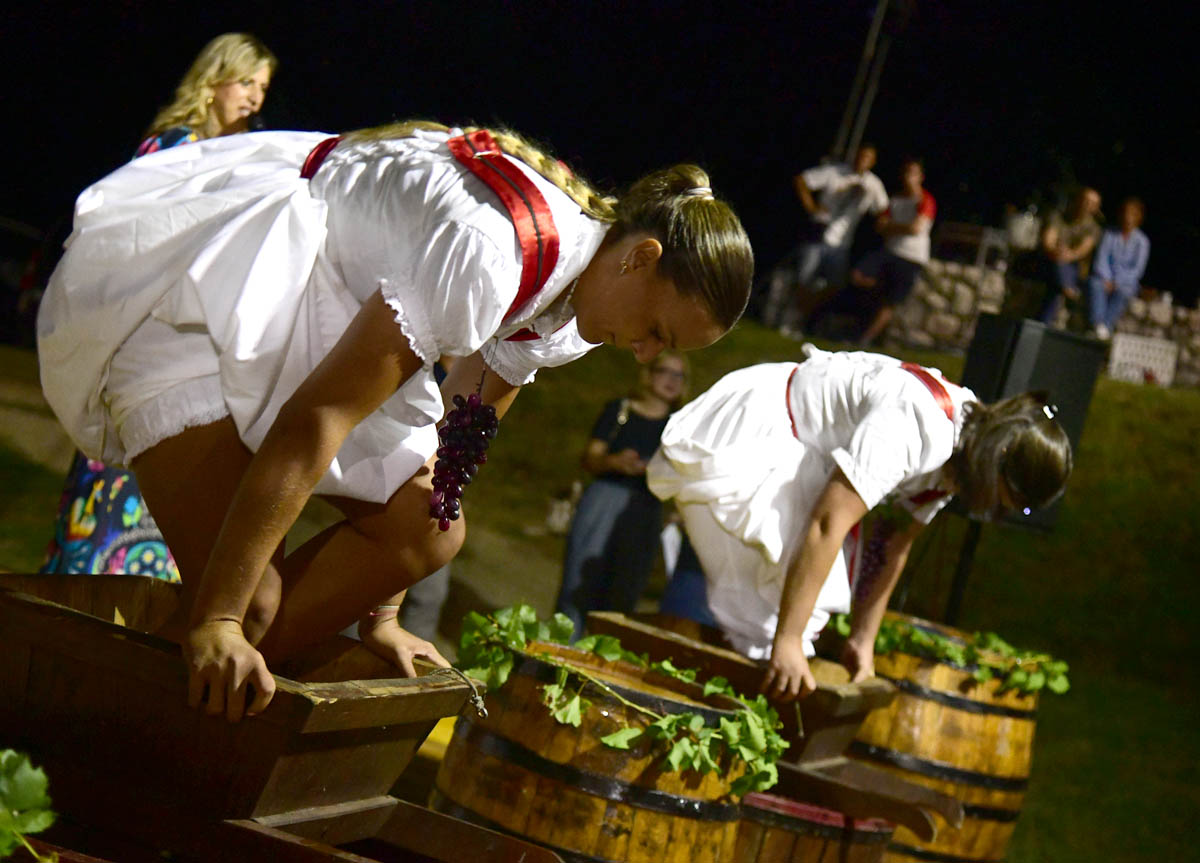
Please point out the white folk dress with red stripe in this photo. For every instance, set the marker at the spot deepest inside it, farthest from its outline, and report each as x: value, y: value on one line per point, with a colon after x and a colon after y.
x: 210, y: 280
x: 747, y: 460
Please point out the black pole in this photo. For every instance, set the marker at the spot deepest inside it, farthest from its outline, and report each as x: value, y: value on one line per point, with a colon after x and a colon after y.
x: 966, y: 556
x: 860, y: 77
x: 864, y: 111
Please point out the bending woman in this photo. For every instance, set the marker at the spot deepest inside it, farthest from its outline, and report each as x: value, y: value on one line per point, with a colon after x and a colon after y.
x: 255, y: 318
x: 774, y: 466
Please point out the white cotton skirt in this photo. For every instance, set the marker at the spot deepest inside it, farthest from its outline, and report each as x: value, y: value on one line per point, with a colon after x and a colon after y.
x: 746, y: 487
x: 195, y: 286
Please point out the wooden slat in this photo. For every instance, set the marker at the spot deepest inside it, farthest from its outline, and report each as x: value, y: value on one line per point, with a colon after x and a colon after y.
x: 421, y: 830
x: 338, y: 824
x: 829, y: 717
x: 76, y: 682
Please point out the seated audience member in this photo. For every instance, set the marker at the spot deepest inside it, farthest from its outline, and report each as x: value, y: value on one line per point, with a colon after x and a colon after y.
x: 1067, y: 243
x: 1118, y: 268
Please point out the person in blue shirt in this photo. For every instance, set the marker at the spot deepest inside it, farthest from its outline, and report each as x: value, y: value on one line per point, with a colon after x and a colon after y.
x: 1118, y: 267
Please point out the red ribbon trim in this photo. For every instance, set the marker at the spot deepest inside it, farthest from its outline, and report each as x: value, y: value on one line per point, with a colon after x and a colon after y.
x: 530, y: 214
x: 935, y: 387
x: 309, y: 169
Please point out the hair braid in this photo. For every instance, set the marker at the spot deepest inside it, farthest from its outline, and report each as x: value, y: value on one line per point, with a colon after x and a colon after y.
x: 706, y: 252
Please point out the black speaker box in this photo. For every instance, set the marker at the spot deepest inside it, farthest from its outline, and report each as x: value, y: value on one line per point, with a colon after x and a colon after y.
x: 1008, y: 356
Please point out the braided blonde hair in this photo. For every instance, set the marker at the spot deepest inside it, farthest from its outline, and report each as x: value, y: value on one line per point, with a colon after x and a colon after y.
x: 706, y: 252
x: 228, y: 57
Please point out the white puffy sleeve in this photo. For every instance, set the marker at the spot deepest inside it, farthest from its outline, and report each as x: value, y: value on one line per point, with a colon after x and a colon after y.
x: 518, y: 362
x: 885, y: 449
x: 460, y: 286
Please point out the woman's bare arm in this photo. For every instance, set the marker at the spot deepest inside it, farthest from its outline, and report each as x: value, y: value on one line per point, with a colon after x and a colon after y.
x: 837, y: 510
x: 367, y: 365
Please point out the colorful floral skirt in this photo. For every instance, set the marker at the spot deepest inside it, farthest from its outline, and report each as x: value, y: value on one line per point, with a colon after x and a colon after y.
x: 104, y: 527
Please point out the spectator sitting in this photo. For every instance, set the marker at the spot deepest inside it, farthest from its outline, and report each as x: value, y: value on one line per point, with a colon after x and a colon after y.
x: 1067, y: 243
x: 1118, y: 268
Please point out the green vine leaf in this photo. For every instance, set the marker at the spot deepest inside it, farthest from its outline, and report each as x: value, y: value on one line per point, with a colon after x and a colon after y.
x: 571, y: 713
x: 489, y: 642
x: 985, y: 654
x: 24, y: 803
x: 561, y: 629
x: 622, y: 739
x: 682, y: 753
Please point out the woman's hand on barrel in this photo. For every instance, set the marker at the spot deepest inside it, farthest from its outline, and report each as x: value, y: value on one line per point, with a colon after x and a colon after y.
x: 859, y: 659
x: 397, y: 645
x: 788, y: 675
x: 224, y: 664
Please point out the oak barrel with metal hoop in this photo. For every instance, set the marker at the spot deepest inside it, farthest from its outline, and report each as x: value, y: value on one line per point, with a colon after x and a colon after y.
x: 780, y: 830
x: 951, y: 733
x: 520, y: 771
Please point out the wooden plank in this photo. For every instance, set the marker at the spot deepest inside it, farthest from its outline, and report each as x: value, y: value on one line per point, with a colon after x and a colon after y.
x: 423, y: 831
x: 352, y: 704
x: 315, y: 744
x: 335, y: 825
x: 135, y: 601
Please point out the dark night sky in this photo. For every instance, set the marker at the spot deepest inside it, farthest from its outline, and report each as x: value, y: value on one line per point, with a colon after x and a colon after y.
x: 1006, y: 101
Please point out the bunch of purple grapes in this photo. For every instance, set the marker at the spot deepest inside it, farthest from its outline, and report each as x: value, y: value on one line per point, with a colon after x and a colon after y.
x: 464, y: 439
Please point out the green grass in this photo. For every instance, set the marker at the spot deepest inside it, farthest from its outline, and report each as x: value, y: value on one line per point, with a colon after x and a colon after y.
x: 1113, y: 589
x: 27, y: 504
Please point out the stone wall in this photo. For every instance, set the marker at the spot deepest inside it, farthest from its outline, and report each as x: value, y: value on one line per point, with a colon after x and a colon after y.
x: 948, y: 297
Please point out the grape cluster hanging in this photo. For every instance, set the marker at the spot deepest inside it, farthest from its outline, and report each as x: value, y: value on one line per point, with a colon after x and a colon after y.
x: 463, y: 442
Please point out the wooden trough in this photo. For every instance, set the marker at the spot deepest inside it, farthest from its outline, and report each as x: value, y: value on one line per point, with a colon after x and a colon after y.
x: 820, y: 728
x: 136, y: 773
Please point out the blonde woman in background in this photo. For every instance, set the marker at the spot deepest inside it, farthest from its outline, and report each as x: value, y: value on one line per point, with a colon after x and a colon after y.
x: 223, y: 90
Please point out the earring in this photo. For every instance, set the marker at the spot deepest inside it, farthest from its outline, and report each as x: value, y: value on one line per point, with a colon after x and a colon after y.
x: 624, y: 267
x: 209, y: 102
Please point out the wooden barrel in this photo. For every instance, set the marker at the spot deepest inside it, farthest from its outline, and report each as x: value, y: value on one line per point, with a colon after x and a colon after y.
x: 780, y: 830
x: 950, y: 733
x: 521, y: 772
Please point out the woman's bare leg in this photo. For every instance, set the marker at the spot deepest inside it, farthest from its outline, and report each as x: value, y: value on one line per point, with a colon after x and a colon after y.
x: 340, y: 574
x: 325, y: 585
x: 188, y: 481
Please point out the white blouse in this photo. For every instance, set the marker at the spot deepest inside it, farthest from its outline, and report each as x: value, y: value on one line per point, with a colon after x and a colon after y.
x: 225, y: 238
x: 757, y: 449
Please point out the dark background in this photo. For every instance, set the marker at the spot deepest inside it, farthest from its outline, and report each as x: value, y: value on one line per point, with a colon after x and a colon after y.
x: 1009, y: 103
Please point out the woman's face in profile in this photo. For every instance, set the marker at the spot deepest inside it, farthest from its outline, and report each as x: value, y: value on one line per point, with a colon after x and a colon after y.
x: 235, y: 101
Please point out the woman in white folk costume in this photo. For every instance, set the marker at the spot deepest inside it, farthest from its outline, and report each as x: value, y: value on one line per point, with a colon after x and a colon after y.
x: 776, y: 464
x: 253, y: 319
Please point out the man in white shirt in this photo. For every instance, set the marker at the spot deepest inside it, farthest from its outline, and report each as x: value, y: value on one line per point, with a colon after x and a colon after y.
x: 883, y: 279
x: 835, y: 196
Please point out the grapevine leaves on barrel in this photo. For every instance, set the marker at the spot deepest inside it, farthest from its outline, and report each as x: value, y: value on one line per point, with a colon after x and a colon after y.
x: 24, y: 804
x: 486, y: 653
x: 989, y: 655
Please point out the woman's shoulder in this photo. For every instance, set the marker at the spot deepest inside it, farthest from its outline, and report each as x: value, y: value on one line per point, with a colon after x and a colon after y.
x: 166, y: 140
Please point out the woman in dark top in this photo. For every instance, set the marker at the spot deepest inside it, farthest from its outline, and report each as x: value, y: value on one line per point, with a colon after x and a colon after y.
x: 615, y: 531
